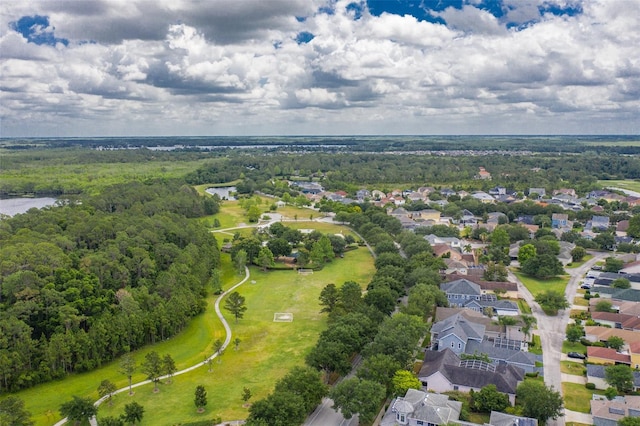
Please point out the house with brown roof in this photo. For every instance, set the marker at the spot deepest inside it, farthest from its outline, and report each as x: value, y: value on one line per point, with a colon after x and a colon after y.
x: 612, y: 319
x: 445, y: 371
x: 601, y: 334
x: 483, y: 174
x: 608, y: 413
x: 606, y: 356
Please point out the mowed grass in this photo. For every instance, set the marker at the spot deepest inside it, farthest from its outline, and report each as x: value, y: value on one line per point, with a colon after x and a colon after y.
x: 573, y: 265
x: 537, y: 286
x: 577, y: 397
x: 187, y: 348
x: 574, y: 368
x: 268, y: 350
x: 568, y: 346
x: 632, y: 185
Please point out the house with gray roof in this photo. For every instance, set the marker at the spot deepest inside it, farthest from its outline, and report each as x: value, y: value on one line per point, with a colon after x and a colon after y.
x: 455, y: 333
x: 595, y: 375
x: 421, y: 408
x: 444, y: 371
x: 503, y: 419
x: 461, y: 291
x: 498, y: 307
x: 504, y: 351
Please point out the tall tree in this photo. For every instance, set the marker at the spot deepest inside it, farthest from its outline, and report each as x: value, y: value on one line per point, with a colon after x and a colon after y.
x: 528, y: 323
x: 265, y: 258
x: 128, y: 368
x: 152, y: 367
x: 235, y: 305
x: 402, y: 381
x: 106, y: 389
x: 356, y: 396
x: 168, y: 367
x: 379, y: 368
x: 12, y: 412
x: 240, y: 261
x: 620, y: 377
x: 489, y: 399
x: 200, y: 398
x: 133, y: 413
x: 329, y: 298
x: 78, y: 409
x: 218, y: 349
x: 539, y: 401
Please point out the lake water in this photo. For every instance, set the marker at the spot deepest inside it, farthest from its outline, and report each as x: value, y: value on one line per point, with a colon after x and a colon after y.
x: 14, y: 206
x: 224, y: 192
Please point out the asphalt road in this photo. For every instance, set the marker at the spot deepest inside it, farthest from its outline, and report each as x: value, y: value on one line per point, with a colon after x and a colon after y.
x: 552, y: 329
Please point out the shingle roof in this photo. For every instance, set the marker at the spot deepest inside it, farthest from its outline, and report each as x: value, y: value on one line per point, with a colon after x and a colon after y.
x: 608, y: 353
x: 501, y: 354
x: 461, y: 286
x: 505, y: 377
x: 502, y: 419
x: 460, y: 326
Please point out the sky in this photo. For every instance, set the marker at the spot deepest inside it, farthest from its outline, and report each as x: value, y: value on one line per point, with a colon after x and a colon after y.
x: 318, y: 67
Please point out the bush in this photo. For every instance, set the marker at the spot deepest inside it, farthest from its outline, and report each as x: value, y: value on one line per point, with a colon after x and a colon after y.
x: 590, y: 386
x: 598, y: 344
x: 532, y: 374
x: 586, y: 342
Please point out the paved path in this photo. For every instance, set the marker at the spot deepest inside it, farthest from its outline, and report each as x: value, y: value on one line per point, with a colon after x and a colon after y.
x: 552, y: 329
x: 572, y: 378
x: 188, y: 369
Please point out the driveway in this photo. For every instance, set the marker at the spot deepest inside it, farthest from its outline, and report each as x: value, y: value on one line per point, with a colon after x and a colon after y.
x: 552, y: 329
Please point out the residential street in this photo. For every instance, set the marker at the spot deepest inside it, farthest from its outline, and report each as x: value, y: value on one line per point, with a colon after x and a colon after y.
x: 552, y: 329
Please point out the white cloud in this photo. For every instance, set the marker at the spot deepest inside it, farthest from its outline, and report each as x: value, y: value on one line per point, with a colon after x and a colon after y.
x: 228, y: 66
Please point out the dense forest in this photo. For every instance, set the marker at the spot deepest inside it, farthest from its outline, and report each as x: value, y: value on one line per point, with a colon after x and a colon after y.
x: 83, y: 283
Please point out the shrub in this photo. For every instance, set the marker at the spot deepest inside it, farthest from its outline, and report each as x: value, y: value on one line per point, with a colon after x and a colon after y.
x: 590, y: 386
x: 532, y: 374
x: 586, y: 342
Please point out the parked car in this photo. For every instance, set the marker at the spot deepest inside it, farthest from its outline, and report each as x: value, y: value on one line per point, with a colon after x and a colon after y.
x: 597, y: 267
x: 585, y: 286
x: 577, y: 355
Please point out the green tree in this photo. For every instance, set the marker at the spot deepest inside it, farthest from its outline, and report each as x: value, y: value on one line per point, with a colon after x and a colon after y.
x: 236, y: 343
x: 610, y: 393
x: 490, y: 399
x: 620, y: 377
x: 200, y: 398
x: 128, y: 368
x: 578, y: 253
x: 542, y: 266
x: 495, y: 272
x: 379, y: 368
x: 152, y: 367
x: 133, y: 413
x: 106, y: 390
x: 615, y: 342
x: 539, y: 401
x: 111, y: 421
x: 168, y: 367
x: 12, y: 412
x: 574, y: 332
x: 528, y: 323
x: 279, y: 246
x: 604, y: 306
x: 253, y: 214
x: 246, y: 394
x: 612, y: 264
x: 329, y: 298
x: 78, y: 409
x: 356, y: 396
x: 218, y: 348
x: 235, y: 304
x: 402, y: 381
x: 526, y: 252
x: 277, y: 409
x: 305, y: 383
x: 423, y: 299
x: 622, y: 283
x: 552, y: 301
x: 265, y: 259
x: 240, y: 261
x: 629, y: 421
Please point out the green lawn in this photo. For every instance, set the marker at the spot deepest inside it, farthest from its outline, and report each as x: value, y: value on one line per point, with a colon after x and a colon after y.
x: 570, y: 367
x: 536, y: 348
x: 577, y: 397
x: 576, y: 264
x: 524, y: 306
x: 580, y: 301
x: 632, y: 185
x: 537, y: 286
x: 567, y: 346
x: 267, y: 352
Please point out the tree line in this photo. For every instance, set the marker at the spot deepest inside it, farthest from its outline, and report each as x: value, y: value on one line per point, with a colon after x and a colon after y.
x: 83, y: 283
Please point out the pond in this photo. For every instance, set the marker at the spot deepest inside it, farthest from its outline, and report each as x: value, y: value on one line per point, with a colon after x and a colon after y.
x: 14, y: 206
x: 224, y: 192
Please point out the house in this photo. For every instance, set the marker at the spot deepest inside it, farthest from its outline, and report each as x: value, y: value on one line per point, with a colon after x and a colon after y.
x: 308, y: 187
x: 537, y: 193
x: 461, y: 291
x: 621, y: 228
x: 483, y: 174
x: 606, y: 356
x: 451, y: 241
x: 596, y: 375
x: 559, y: 220
x: 608, y: 413
x: 446, y: 250
x: 455, y: 332
x: 565, y: 191
x: 503, y: 419
x: 447, y: 192
x: 444, y: 371
x: 421, y: 408
x: 611, y: 319
x: 458, y: 267
x: 498, y: 190
x: 504, y: 352
x: 601, y: 334
x: 426, y: 214
x: 363, y: 194
x: 492, y: 329
x: 598, y: 223
x: 483, y: 197
x: 507, y: 289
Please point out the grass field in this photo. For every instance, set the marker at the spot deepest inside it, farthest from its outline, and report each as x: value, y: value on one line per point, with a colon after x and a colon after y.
x: 577, y: 397
x: 537, y: 286
x: 536, y: 348
x: 570, y: 367
x: 632, y: 185
x: 576, y: 264
x: 267, y: 352
x: 567, y: 346
x: 524, y: 306
x: 278, y: 291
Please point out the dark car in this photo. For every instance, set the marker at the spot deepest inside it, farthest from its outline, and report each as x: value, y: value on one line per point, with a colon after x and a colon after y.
x: 585, y: 286
x: 577, y: 355
x: 596, y: 267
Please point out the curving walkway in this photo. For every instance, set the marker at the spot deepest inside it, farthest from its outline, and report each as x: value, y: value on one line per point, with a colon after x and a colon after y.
x: 227, y: 340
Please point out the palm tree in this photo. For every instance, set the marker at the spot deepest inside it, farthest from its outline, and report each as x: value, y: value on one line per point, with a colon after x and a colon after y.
x: 467, y: 248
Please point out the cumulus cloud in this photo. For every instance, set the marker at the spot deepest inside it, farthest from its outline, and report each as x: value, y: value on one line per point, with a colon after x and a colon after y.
x: 235, y: 67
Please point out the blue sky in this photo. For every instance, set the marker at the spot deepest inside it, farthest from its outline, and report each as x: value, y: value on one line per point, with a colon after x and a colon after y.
x: 229, y: 67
